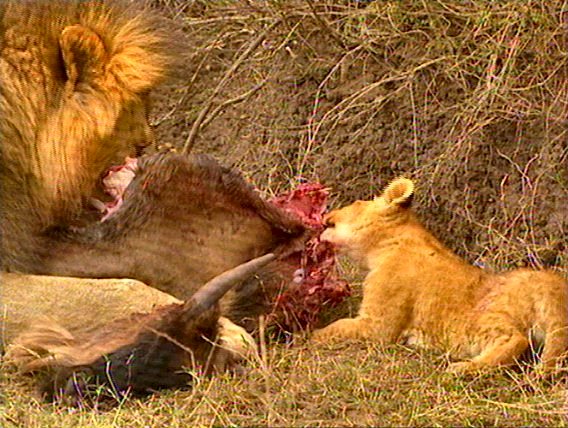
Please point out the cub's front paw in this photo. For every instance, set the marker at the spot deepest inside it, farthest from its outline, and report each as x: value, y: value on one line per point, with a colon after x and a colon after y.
x: 337, y: 331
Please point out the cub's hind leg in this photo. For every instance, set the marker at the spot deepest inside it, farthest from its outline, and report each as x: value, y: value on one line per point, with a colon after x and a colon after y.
x: 552, y: 306
x: 499, y: 347
x: 555, y: 351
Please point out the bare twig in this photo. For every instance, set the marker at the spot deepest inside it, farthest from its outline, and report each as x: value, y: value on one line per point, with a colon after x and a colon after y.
x: 190, y: 141
x: 232, y: 101
x: 325, y: 25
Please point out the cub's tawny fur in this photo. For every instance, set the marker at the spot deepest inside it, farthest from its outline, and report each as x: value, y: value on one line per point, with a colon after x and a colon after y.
x: 419, y: 292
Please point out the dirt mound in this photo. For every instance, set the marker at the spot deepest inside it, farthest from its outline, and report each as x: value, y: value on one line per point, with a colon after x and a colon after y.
x: 470, y: 99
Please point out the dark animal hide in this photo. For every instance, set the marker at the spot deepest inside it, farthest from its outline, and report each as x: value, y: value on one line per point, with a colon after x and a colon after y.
x: 183, y: 221
x: 146, y: 353
x: 137, y: 354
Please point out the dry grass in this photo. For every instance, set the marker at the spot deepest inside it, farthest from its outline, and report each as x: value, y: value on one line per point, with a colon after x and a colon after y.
x: 352, y: 384
x: 470, y: 98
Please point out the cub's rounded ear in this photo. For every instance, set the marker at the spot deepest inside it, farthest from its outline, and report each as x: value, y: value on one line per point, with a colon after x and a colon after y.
x: 399, y: 192
x: 84, y: 55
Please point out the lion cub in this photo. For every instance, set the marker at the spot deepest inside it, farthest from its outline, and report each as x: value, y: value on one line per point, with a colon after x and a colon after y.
x: 418, y: 292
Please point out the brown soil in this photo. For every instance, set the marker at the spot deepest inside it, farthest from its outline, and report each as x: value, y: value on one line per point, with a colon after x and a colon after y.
x: 471, y: 100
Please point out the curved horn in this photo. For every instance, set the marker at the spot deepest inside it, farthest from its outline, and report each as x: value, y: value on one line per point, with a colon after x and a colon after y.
x: 213, y: 290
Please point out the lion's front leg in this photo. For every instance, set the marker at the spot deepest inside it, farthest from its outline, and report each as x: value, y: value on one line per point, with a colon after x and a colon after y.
x: 346, y: 328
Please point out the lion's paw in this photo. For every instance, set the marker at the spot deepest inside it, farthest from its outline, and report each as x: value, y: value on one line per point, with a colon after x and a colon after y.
x: 235, y: 346
x: 236, y: 339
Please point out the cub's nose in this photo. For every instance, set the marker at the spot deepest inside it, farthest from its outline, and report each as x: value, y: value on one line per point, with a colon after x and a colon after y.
x: 328, y: 220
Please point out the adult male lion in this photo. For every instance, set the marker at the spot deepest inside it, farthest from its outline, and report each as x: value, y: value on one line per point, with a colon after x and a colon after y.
x: 75, y: 78
x: 419, y: 292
